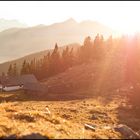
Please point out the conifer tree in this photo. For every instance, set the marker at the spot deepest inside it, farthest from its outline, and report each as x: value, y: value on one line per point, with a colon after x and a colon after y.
x: 15, y: 69
x: 10, y: 70
x: 65, y: 58
x: 55, y: 63
x: 24, y: 68
x: 85, y: 50
x: 32, y: 66
x: 3, y: 74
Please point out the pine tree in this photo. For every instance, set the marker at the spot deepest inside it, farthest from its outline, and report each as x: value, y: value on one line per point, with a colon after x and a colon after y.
x: 10, y: 70
x: 98, y: 49
x: 67, y: 58
x: 3, y: 74
x: 85, y: 50
x: 71, y: 58
x: 15, y: 69
x: 45, y: 70
x: 24, y: 69
x: 87, y: 46
x: 55, y: 62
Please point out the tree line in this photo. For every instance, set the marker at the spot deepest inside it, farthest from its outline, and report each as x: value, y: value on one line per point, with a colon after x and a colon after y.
x: 122, y: 50
x: 50, y: 64
x: 119, y: 60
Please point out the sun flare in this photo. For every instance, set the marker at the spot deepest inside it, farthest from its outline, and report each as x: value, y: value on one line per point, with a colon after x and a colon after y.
x: 119, y: 15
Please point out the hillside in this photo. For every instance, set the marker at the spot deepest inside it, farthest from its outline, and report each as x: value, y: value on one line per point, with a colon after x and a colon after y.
x: 4, y: 66
x: 64, y: 115
x: 70, y: 105
x: 93, y: 76
x: 18, y: 42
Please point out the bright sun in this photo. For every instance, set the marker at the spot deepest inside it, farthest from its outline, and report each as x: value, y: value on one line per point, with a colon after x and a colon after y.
x: 119, y: 15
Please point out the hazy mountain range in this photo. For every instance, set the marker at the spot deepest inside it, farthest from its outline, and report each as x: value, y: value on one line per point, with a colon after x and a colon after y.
x: 18, y: 42
x: 6, y: 24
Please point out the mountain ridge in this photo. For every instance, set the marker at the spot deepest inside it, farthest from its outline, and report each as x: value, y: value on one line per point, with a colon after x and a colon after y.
x: 18, y: 42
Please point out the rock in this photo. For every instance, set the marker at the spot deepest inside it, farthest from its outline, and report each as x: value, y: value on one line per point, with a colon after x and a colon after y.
x: 34, y: 136
x: 107, y: 127
x: 30, y: 136
x: 91, y: 127
x: 127, y: 132
x: 9, y: 137
x: 24, y: 117
x: 94, y: 117
x: 66, y: 116
x: 48, y: 111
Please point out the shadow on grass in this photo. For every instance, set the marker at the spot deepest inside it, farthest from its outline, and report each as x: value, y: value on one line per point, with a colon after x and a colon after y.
x: 22, y: 96
x: 15, y: 96
x: 129, y: 116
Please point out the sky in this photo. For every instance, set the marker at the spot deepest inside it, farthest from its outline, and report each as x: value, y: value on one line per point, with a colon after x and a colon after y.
x: 120, y: 15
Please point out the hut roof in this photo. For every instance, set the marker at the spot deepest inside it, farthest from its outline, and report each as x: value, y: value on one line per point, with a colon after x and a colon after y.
x: 18, y: 80
x: 37, y: 87
x: 28, y: 78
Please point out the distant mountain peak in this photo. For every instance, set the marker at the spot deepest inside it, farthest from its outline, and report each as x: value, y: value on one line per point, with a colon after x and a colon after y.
x: 70, y: 20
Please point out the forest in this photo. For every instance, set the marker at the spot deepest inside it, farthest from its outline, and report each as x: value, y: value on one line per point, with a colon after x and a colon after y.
x: 118, y: 56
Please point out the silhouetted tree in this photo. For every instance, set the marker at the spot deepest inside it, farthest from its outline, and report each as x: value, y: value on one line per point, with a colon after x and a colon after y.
x: 10, y: 70
x: 85, y: 50
x: 15, y: 72
x: 3, y: 74
x: 25, y: 68
x: 67, y: 58
x: 55, y: 62
x: 98, y: 50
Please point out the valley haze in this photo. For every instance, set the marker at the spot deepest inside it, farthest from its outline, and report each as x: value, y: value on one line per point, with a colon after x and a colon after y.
x: 22, y: 40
